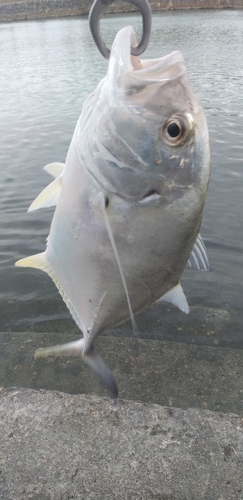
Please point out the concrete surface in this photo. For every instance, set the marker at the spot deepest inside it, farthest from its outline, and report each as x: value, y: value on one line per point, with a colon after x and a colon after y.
x: 56, y: 446
x: 162, y: 372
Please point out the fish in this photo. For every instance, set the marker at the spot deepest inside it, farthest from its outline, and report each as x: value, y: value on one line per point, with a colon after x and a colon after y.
x: 128, y: 199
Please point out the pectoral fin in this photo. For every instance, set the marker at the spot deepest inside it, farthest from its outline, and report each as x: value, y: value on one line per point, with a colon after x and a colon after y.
x: 48, y: 197
x: 176, y: 297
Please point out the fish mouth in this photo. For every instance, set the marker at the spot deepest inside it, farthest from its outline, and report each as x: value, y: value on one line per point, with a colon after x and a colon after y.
x: 121, y: 61
x: 151, y: 196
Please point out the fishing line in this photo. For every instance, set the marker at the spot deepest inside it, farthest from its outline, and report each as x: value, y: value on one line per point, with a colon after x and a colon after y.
x: 113, y: 244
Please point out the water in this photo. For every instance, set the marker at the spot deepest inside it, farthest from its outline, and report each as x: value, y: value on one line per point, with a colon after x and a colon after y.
x: 47, y: 69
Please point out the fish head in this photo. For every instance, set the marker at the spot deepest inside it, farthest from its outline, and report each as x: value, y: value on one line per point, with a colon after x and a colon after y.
x: 149, y: 138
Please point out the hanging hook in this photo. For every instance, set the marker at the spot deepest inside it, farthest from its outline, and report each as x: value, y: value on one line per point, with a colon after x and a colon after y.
x: 96, y: 11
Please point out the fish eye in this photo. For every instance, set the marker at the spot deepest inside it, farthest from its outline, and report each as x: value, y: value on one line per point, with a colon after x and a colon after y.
x: 176, y: 130
x: 173, y: 130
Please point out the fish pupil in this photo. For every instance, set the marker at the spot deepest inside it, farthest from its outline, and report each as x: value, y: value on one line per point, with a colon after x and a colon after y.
x: 173, y: 130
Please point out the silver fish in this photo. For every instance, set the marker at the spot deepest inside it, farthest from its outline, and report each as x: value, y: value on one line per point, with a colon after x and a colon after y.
x: 129, y: 199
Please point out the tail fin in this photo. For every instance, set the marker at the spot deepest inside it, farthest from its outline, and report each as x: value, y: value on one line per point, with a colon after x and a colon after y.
x: 91, y: 357
x: 98, y: 366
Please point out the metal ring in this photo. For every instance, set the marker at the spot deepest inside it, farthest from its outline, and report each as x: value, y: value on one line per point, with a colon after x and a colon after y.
x: 96, y: 11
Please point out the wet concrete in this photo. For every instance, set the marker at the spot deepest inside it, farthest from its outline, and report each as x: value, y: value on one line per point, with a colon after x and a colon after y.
x: 56, y: 446
x: 162, y: 372
x: 60, y: 446
x: 213, y: 321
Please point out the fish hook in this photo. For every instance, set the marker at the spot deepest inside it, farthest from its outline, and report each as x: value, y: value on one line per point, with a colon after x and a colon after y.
x: 96, y: 11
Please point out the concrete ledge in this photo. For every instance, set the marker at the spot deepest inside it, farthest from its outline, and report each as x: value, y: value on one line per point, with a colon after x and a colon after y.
x: 56, y: 446
x: 44, y: 9
x: 161, y: 372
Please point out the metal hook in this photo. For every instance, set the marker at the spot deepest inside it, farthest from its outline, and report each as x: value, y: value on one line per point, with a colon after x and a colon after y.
x: 96, y: 11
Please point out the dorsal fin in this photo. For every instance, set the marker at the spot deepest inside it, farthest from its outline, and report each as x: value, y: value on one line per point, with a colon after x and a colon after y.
x: 198, y: 258
x: 176, y: 297
x: 55, y: 169
x: 48, y: 197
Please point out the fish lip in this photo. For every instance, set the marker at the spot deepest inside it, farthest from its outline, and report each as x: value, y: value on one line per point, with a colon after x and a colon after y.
x: 151, y: 197
x: 168, y: 67
x: 122, y: 63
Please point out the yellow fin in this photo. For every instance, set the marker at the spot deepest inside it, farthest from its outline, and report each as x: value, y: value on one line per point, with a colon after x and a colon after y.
x: 48, y: 197
x: 38, y: 261
x: 55, y: 169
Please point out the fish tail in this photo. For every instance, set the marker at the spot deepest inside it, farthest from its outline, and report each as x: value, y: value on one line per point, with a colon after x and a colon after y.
x: 91, y: 357
x: 70, y: 349
x: 98, y: 366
